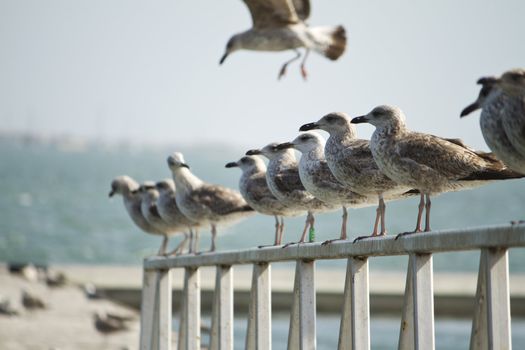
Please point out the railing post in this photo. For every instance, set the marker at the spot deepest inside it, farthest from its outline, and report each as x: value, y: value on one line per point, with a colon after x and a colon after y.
x: 417, y: 323
x: 221, y: 337
x: 164, y: 310
x: 491, y: 323
x: 181, y: 344
x: 302, y: 334
x: 259, y: 334
x: 147, y: 308
x: 192, y: 309
x: 354, y: 332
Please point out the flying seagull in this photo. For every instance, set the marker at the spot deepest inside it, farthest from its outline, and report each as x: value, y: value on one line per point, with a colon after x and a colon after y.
x: 280, y: 25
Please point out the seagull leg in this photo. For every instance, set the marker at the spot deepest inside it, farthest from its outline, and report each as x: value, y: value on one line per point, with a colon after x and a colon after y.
x: 281, y: 230
x: 380, y: 215
x: 308, y: 223
x: 213, y: 237
x: 196, y: 242
x: 428, y: 204
x: 162, y: 250
x: 190, y: 246
x: 343, y: 229
x: 421, y: 206
x: 304, y: 73
x: 277, y: 231
x: 180, y: 247
x: 282, y: 72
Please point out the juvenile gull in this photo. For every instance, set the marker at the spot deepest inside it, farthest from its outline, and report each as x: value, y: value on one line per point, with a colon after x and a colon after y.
x: 512, y: 83
x: 426, y: 162
x: 282, y: 177
x: 129, y: 189
x: 255, y: 191
x: 491, y: 100
x: 280, y: 25
x: 150, y: 211
x: 203, y: 202
x: 319, y: 180
x: 170, y: 212
x: 351, y: 162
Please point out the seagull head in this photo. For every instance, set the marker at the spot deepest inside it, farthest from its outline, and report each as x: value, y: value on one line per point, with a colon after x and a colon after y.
x: 270, y: 151
x: 305, y: 142
x: 165, y: 186
x: 248, y: 163
x: 513, y: 82
x: 332, y: 123
x: 385, y: 116
x: 176, y: 162
x: 488, y: 85
x: 234, y: 44
x: 123, y: 185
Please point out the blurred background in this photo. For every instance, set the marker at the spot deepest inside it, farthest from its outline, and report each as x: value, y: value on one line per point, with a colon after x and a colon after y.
x: 90, y: 90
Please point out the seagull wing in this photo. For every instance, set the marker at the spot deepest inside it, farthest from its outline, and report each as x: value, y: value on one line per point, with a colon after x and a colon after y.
x: 220, y: 200
x: 258, y: 189
x: 302, y: 8
x: 451, y: 159
x: 288, y: 181
x: 274, y: 13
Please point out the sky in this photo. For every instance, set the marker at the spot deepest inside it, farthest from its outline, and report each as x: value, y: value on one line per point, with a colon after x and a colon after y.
x: 148, y: 70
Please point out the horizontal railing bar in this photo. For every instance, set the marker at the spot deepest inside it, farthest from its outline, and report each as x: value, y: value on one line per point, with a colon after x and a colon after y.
x: 429, y: 242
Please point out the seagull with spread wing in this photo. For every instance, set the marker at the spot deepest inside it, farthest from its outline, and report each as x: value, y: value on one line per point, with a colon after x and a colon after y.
x: 280, y: 25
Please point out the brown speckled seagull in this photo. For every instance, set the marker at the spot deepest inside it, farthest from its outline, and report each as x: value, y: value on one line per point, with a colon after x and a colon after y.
x: 279, y: 25
x: 426, y: 162
x: 203, y: 202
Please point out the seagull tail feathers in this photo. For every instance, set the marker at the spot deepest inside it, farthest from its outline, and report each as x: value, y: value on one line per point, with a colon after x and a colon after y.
x: 496, y: 170
x: 333, y: 39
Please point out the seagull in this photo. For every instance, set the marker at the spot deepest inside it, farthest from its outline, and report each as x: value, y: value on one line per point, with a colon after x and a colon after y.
x: 6, y: 308
x: 31, y: 301
x: 107, y: 324
x: 280, y: 25
x: 512, y: 83
x: 170, y: 212
x: 351, y: 162
x: 282, y: 177
x: 203, y: 202
x: 319, y: 180
x: 491, y: 100
x: 257, y: 194
x: 426, y: 162
x: 129, y: 189
x: 150, y: 211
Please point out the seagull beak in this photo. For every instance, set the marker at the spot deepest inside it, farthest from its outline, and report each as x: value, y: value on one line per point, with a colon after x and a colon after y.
x: 223, y: 58
x: 309, y: 126
x: 231, y: 165
x: 359, y: 120
x: 184, y: 165
x: 285, y: 145
x: 488, y: 81
x: 469, y: 109
x: 111, y: 193
x: 253, y: 152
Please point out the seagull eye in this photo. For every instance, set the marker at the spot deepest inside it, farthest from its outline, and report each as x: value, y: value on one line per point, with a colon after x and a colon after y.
x: 330, y: 119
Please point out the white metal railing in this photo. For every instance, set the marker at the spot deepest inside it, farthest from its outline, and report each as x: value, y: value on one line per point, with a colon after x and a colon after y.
x: 491, y: 321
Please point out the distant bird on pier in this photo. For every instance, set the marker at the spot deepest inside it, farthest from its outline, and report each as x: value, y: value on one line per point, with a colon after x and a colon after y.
x: 257, y: 194
x: 170, y: 212
x: 107, y: 323
x: 203, y: 202
x: 150, y: 211
x: 5, y: 307
x: 492, y: 101
x: 426, y: 162
x: 280, y: 25
x: 129, y: 189
x: 351, y: 162
x: 319, y: 180
x: 32, y: 301
x: 282, y: 177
